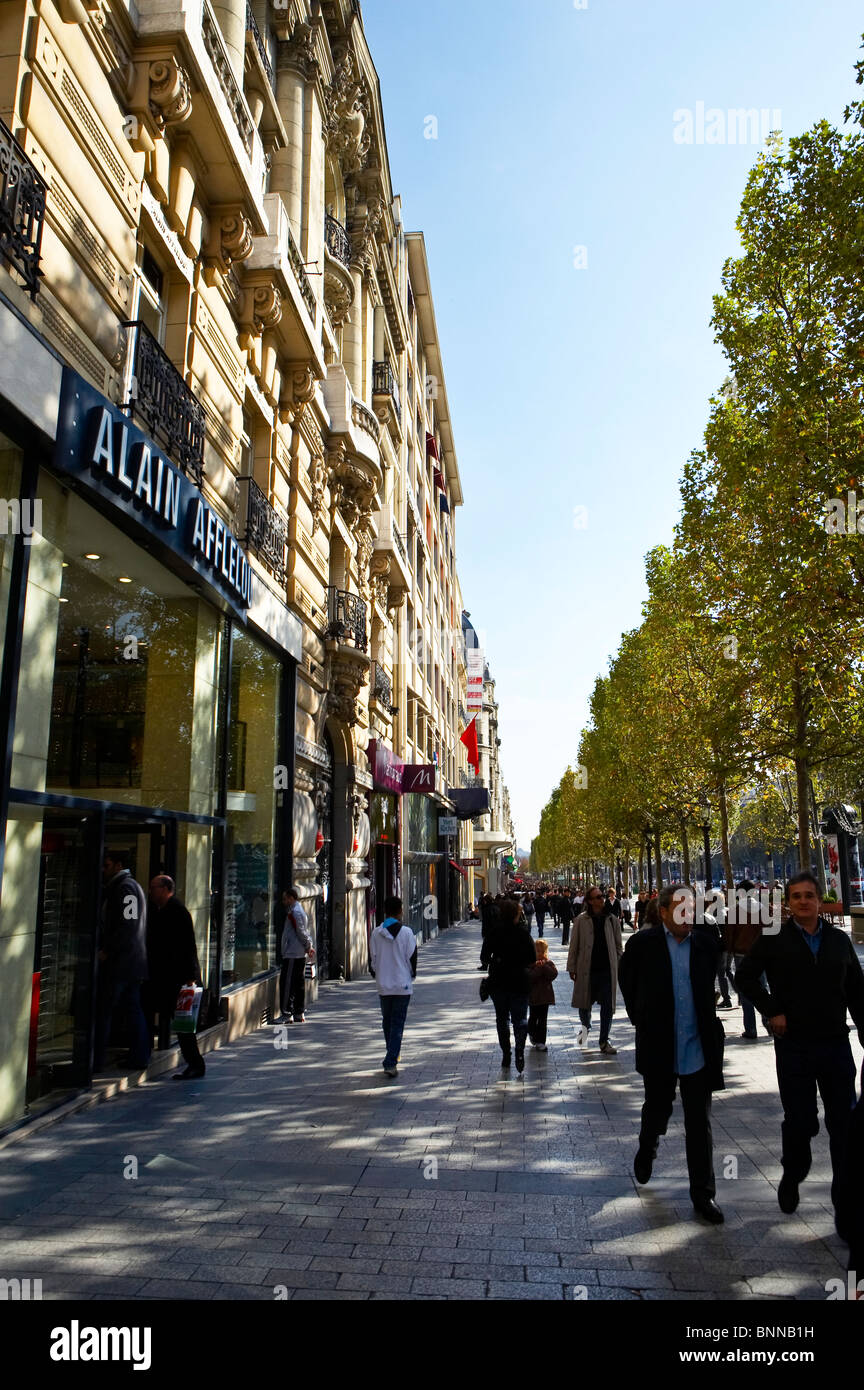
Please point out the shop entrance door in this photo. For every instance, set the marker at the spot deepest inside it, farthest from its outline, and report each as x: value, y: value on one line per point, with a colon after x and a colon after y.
x: 62, y: 1014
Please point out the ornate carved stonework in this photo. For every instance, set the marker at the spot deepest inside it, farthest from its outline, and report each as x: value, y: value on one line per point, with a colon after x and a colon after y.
x: 267, y: 306
x: 365, y: 547
x: 170, y: 93
x: 379, y: 571
x: 348, y: 672
x: 347, y: 116
x: 298, y: 391
x: 338, y: 293
x: 298, y: 52
x: 363, y: 229
x: 318, y: 485
x: 235, y: 237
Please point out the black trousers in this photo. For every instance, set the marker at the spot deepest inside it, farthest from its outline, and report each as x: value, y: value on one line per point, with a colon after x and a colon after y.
x: 538, y: 1016
x: 160, y: 999
x: 801, y: 1068
x: 292, y: 986
x: 696, y: 1101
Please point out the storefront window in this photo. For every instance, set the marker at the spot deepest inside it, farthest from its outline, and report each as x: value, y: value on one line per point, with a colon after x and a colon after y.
x: 251, y: 889
x: 117, y: 695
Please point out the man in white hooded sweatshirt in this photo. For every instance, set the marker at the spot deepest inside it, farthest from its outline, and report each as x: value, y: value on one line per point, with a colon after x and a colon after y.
x: 393, y: 965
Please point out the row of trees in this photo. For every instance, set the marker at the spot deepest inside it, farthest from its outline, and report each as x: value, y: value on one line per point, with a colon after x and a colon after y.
x: 741, y: 693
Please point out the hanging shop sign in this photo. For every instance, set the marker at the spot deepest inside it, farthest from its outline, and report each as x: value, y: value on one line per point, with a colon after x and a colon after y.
x: 385, y: 767
x: 448, y: 825
x: 117, y: 463
x: 419, y: 777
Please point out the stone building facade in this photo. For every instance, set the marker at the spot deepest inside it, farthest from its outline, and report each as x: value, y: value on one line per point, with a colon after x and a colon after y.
x: 232, y: 641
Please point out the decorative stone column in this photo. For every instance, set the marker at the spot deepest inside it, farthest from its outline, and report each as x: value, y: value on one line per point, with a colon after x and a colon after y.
x: 231, y: 18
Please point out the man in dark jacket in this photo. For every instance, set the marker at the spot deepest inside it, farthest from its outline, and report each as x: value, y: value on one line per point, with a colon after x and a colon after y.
x: 667, y: 980
x: 122, y: 961
x: 565, y: 912
x: 541, y: 907
x: 173, y: 960
x: 741, y: 931
x: 813, y: 979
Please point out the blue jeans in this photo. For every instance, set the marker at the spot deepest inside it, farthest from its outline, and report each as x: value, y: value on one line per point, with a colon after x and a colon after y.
x: 801, y: 1068
x: 601, y: 993
x: 394, y: 1008
x: 124, y: 995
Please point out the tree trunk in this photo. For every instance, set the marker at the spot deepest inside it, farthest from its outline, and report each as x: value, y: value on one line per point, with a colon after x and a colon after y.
x: 626, y: 871
x: 724, y: 838
x: 658, y: 861
x: 802, y: 796
x: 685, y: 846
x: 641, y: 865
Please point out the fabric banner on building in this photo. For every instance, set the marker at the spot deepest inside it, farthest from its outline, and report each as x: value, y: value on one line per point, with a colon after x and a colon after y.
x: 476, y: 665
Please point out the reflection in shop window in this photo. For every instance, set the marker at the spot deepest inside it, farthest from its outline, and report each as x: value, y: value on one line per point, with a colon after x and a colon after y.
x: 251, y: 890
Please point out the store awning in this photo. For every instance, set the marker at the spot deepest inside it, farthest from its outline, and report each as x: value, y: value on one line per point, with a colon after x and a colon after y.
x: 469, y: 801
x: 458, y: 868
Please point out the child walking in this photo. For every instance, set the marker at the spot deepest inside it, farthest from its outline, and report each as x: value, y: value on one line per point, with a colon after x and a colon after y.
x: 542, y: 995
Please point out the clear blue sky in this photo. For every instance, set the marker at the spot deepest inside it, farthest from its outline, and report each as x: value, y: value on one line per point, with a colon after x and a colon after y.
x: 580, y: 388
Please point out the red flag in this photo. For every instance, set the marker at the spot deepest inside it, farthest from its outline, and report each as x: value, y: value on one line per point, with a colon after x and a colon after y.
x: 469, y: 738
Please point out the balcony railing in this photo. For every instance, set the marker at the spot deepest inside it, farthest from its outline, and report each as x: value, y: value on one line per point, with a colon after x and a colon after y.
x: 264, y: 531
x: 336, y: 240
x: 346, y: 615
x: 399, y: 539
x: 22, y: 210
x: 382, y: 686
x: 159, y: 396
x: 252, y: 28
x: 303, y: 281
x: 384, y: 384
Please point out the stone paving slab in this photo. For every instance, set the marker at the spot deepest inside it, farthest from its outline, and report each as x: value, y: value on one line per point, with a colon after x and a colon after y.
x: 303, y: 1169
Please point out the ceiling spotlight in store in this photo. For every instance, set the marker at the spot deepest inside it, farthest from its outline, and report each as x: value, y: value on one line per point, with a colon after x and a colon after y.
x: 123, y: 579
x: 64, y: 600
x: 92, y: 556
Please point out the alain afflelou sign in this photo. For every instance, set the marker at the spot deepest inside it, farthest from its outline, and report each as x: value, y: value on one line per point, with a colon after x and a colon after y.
x: 117, y: 463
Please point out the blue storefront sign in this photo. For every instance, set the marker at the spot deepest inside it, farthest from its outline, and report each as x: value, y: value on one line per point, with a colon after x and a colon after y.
x: 114, y: 462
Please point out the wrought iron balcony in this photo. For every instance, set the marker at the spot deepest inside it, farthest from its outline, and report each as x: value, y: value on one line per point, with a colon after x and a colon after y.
x: 384, y: 384
x: 252, y: 28
x: 336, y: 240
x: 399, y: 538
x: 346, y: 614
x: 382, y: 686
x: 264, y: 531
x: 159, y: 396
x: 22, y: 210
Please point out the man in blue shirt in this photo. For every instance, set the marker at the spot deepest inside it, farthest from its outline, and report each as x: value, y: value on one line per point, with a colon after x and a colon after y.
x: 667, y: 980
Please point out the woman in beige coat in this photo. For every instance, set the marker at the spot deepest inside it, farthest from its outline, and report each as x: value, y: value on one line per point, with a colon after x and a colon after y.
x: 592, y: 964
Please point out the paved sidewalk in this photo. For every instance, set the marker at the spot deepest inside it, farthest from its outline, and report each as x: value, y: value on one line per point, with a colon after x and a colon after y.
x: 297, y: 1165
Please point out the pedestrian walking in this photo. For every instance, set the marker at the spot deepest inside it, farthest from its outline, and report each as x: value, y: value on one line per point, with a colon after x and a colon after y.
x: 554, y: 901
x: 393, y: 966
x: 565, y: 911
x: 511, y: 955
x: 122, y: 962
x: 296, y: 949
x: 592, y: 964
x: 540, y: 908
x: 542, y: 995
x: 741, y: 931
x: 813, y: 978
x: 172, y: 957
x: 528, y: 909
x: 667, y: 980
x: 639, y: 910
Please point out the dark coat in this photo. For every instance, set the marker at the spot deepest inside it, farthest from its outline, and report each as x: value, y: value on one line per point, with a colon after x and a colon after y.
x: 813, y: 992
x: 542, y: 973
x: 171, y: 948
x: 645, y: 978
x: 124, y: 929
x: 510, y: 954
